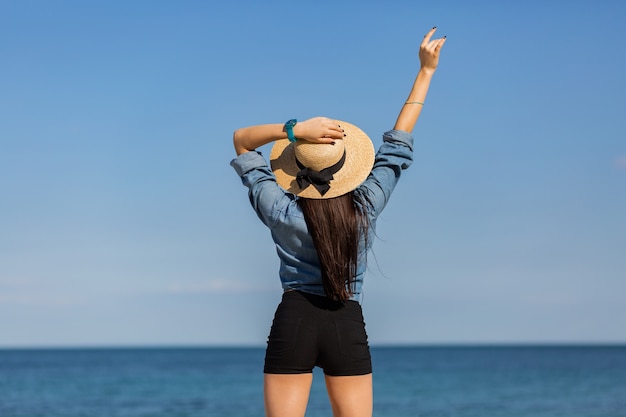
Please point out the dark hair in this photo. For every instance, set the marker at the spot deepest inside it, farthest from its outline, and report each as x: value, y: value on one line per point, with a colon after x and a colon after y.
x: 337, y: 225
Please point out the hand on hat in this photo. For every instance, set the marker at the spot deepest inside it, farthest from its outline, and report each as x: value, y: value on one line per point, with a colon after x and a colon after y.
x: 429, y: 50
x: 318, y: 130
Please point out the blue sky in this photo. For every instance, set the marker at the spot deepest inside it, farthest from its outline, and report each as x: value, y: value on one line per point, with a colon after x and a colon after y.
x: 122, y: 223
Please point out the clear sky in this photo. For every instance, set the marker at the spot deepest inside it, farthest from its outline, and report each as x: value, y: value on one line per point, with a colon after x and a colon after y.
x: 122, y: 223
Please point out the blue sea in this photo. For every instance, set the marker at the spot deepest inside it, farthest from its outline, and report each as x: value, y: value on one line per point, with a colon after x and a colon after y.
x: 446, y: 381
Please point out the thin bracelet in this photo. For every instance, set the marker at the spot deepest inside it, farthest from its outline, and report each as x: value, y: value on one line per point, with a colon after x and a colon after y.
x: 414, y: 102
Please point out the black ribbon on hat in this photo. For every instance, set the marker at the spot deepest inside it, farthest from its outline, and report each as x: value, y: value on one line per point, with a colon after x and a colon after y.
x: 319, y: 179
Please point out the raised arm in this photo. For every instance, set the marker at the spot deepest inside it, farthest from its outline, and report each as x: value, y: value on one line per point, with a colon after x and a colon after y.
x: 317, y: 130
x: 429, y: 59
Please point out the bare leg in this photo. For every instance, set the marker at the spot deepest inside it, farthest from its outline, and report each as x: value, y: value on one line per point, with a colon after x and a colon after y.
x: 350, y: 396
x: 287, y: 395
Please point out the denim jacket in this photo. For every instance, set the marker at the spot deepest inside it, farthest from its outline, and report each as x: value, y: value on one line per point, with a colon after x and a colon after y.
x: 279, y: 211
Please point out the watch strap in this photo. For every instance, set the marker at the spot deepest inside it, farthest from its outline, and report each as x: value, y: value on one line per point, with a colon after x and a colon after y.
x: 289, y: 129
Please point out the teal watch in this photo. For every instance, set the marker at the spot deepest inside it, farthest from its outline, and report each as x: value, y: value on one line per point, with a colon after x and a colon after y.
x: 289, y: 129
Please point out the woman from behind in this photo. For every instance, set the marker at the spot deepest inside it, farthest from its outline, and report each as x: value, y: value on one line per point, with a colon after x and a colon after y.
x: 320, y: 198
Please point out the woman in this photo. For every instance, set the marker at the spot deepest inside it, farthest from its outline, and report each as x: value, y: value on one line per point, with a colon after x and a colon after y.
x: 321, y: 199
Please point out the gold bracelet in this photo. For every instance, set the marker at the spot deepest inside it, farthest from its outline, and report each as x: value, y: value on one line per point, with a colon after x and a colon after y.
x: 414, y: 102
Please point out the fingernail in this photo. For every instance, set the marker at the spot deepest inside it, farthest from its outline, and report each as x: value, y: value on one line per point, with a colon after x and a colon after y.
x: 445, y: 37
x: 434, y: 27
x: 332, y: 143
x: 344, y: 135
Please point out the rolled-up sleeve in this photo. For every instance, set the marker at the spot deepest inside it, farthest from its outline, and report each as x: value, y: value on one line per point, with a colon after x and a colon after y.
x: 264, y: 192
x: 393, y: 156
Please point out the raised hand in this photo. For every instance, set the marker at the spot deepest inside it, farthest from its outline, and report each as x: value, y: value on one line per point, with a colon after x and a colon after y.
x: 429, y: 50
x: 429, y: 59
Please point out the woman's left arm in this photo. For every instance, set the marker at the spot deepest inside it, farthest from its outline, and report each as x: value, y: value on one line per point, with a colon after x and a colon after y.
x: 317, y: 130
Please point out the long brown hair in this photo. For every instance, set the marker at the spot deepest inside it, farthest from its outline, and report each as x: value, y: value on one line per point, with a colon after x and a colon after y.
x: 337, y: 225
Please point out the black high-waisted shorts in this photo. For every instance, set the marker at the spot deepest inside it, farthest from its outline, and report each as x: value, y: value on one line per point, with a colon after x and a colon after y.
x: 310, y: 330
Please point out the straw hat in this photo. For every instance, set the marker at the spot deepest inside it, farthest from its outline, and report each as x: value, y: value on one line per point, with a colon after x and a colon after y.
x: 314, y: 170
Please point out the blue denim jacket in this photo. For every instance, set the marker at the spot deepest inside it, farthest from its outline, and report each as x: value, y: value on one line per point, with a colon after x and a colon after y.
x: 278, y: 210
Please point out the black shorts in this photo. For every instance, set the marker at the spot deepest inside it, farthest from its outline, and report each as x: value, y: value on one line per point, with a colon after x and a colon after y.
x: 310, y: 330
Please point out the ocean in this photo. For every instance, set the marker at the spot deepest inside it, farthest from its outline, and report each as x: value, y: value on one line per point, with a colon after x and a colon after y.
x: 422, y: 381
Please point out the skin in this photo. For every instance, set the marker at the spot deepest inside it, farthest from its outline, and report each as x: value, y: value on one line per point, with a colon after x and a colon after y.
x: 316, y: 130
x: 350, y: 396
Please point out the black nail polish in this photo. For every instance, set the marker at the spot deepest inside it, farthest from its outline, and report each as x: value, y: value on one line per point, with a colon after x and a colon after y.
x: 434, y: 27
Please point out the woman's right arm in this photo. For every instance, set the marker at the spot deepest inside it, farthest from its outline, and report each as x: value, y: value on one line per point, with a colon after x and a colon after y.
x: 317, y: 130
x: 429, y: 59
x: 396, y: 152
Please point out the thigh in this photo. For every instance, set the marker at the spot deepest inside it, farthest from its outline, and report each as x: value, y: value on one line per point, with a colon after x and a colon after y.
x: 350, y: 396
x: 286, y: 395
